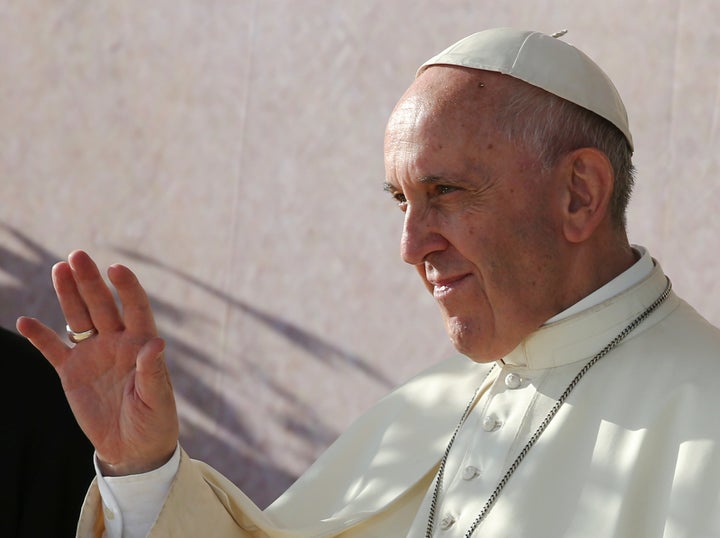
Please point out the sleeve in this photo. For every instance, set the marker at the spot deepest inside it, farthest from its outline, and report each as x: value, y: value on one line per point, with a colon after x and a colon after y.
x: 132, y: 503
x: 349, y: 486
x: 195, y: 502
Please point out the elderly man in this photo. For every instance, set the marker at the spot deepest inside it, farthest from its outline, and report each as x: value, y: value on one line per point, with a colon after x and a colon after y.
x: 582, y: 402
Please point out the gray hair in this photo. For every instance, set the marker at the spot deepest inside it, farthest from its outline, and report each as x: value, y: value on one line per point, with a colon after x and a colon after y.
x: 550, y: 127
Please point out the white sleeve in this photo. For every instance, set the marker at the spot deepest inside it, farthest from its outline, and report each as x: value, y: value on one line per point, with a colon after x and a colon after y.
x: 132, y: 503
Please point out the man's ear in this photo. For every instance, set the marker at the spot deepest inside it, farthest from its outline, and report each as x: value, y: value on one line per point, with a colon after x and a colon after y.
x: 588, y: 187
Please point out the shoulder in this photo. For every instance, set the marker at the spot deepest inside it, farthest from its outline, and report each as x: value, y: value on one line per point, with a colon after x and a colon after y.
x: 683, y: 339
x: 450, y: 382
x: 668, y: 369
x: 409, y: 427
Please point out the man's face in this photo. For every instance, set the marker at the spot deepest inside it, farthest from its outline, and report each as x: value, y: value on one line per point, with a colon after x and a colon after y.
x: 481, y: 219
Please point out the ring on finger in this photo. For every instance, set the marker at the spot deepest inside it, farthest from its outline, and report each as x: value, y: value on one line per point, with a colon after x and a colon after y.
x: 77, y: 337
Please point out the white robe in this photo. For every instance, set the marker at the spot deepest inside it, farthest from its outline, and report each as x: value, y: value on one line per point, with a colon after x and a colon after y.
x: 634, y: 452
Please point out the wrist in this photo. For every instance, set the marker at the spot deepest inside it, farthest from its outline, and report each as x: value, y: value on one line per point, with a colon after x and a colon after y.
x: 131, y: 467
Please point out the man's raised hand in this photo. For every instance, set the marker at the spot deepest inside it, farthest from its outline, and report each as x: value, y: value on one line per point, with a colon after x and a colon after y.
x: 116, y: 381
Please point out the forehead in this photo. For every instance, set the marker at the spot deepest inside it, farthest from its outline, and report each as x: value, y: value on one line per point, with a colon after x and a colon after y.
x: 444, y: 105
x: 446, y: 125
x: 445, y: 99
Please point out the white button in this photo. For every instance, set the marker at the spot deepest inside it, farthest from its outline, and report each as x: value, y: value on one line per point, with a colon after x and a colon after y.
x: 490, y: 423
x: 447, y: 522
x: 513, y: 381
x: 470, y: 472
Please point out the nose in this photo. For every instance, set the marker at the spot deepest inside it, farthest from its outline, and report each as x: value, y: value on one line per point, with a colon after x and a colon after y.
x: 421, y: 236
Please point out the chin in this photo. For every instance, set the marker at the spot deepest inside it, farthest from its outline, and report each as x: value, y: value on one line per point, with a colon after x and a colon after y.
x: 479, y: 356
x: 469, y: 344
x: 474, y: 346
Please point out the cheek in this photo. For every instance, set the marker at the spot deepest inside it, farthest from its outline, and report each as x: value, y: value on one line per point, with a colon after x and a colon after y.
x: 482, y: 243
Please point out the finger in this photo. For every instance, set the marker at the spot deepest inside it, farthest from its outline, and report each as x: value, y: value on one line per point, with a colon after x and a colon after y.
x: 154, y: 387
x: 153, y: 377
x: 44, y: 339
x: 95, y: 293
x: 72, y: 305
x: 136, y: 311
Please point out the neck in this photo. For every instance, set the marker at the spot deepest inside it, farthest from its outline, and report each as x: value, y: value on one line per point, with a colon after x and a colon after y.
x: 589, y: 267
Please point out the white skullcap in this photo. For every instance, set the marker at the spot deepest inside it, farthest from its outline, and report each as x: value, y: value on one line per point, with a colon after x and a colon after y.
x: 543, y: 61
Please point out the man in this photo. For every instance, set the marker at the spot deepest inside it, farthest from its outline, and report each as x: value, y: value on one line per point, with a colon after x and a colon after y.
x: 48, y: 460
x: 582, y: 404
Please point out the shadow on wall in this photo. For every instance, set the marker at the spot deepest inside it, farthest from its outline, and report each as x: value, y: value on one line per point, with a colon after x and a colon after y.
x: 26, y: 287
x: 234, y: 449
x: 242, y: 455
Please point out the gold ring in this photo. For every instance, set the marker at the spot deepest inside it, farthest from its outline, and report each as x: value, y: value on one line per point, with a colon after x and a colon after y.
x: 76, y: 338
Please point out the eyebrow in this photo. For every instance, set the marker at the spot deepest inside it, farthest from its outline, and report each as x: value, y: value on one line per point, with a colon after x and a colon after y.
x: 425, y: 180
x: 428, y: 180
x: 432, y: 180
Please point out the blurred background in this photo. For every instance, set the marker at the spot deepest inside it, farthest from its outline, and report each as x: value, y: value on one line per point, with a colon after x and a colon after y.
x: 230, y: 152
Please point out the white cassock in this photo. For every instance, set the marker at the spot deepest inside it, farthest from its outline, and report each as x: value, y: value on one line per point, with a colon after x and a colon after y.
x: 633, y: 452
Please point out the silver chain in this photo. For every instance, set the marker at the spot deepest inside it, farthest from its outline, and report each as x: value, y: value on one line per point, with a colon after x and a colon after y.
x: 541, y: 428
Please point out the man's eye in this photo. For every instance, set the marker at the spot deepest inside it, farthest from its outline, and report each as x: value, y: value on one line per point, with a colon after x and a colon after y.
x: 445, y: 189
x: 401, y: 200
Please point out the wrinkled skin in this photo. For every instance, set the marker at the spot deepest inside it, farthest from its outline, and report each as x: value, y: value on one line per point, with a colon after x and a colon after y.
x: 500, y: 242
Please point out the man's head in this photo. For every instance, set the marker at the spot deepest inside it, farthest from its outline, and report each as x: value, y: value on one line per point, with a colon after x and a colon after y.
x: 508, y: 197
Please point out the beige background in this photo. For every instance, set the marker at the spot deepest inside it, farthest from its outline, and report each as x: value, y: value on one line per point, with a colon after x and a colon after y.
x: 230, y: 152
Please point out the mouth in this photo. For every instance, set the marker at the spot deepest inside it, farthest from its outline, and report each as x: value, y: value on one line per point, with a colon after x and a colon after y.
x: 443, y: 288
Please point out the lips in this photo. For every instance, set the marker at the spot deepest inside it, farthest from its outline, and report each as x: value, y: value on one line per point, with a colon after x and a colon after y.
x: 442, y: 288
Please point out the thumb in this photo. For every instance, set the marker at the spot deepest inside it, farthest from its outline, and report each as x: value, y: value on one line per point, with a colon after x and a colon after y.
x: 152, y: 380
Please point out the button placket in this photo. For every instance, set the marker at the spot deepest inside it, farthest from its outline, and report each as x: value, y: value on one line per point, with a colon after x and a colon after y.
x: 482, y: 446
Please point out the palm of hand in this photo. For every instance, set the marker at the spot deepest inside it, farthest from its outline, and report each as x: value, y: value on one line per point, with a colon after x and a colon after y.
x: 116, y: 382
